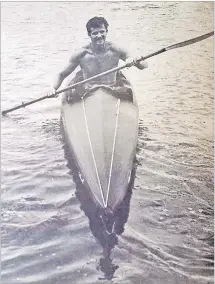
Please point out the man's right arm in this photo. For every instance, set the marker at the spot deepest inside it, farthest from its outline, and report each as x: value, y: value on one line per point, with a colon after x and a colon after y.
x: 73, y: 63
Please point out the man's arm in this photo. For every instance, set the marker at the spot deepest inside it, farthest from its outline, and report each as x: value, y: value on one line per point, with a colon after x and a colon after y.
x: 125, y: 56
x: 141, y: 64
x: 73, y: 64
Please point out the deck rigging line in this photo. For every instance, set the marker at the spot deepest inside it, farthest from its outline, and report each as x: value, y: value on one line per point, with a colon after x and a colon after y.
x: 91, y: 148
x: 113, y: 148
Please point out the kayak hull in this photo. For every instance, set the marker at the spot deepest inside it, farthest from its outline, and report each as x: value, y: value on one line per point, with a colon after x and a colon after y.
x: 101, y: 130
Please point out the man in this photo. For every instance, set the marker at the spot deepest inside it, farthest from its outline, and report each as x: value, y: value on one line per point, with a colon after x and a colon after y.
x: 97, y: 57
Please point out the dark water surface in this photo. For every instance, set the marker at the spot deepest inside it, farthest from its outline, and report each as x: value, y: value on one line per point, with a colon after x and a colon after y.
x: 168, y: 216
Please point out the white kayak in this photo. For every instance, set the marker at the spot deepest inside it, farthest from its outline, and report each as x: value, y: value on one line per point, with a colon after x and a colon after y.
x: 101, y: 130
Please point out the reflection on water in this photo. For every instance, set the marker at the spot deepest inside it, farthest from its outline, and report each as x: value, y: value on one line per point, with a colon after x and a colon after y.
x: 105, y: 226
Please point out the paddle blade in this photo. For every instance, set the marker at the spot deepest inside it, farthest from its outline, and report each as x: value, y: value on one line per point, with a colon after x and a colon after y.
x: 190, y: 41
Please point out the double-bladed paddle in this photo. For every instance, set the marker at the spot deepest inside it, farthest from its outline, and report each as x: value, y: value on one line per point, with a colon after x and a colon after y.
x: 177, y: 45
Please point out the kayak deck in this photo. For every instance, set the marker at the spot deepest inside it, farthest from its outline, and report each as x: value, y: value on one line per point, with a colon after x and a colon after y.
x: 101, y: 130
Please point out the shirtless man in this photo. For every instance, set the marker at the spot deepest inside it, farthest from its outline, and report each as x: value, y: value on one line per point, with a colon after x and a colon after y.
x: 96, y: 57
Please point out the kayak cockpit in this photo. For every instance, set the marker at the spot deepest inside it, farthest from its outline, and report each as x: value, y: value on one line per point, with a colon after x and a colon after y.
x: 122, y: 89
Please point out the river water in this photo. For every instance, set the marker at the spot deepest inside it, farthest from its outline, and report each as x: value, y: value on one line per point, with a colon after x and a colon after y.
x: 166, y: 235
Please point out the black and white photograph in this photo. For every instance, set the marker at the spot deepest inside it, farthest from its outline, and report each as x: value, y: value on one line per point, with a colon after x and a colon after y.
x: 107, y: 142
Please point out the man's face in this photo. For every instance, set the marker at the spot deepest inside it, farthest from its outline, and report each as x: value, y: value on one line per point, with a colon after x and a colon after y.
x: 98, y: 35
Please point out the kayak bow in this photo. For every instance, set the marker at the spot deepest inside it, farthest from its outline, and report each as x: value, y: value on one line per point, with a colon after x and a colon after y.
x: 101, y: 130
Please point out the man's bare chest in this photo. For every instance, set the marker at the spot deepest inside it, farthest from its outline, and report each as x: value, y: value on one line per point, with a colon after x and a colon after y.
x: 101, y: 61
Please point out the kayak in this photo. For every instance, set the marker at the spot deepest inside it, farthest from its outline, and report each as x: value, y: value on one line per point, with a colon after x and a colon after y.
x: 101, y: 130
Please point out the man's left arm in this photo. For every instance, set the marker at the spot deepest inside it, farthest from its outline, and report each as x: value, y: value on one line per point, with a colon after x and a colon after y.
x: 125, y: 56
x: 140, y: 64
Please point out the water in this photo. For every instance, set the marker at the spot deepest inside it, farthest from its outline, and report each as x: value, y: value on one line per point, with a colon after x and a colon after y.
x: 168, y: 221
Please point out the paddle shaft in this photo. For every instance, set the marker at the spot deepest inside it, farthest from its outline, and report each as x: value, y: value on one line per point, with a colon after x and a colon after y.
x: 108, y: 72
x: 25, y: 104
x: 177, y: 45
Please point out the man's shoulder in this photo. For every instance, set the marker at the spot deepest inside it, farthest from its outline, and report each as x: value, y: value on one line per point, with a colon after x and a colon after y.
x: 79, y: 53
x: 86, y: 48
x: 115, y: 47
x: 111, y: 45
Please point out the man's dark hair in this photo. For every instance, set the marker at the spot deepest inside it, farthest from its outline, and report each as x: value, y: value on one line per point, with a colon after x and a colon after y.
x: 96, y: 22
